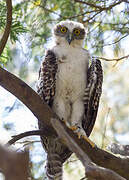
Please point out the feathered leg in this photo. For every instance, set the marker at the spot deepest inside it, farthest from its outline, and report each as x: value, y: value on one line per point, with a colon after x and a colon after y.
x: 77, y: 113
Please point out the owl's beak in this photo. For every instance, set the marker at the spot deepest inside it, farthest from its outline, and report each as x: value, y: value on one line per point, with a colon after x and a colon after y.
x: 69, y: 38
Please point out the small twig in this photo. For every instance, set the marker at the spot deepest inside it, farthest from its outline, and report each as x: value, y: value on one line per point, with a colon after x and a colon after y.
x: 87, y: 20
x: 25, y: 134
x: 113, y: 59
x: 89, y: 4
x: 108, y: 44
x: 8, y: 26
x: 81, y: 14
x: 83, y: 178
x: 28, y: 142
x: 49, y: 10
x: 116, y: 41
x: 100, y: 7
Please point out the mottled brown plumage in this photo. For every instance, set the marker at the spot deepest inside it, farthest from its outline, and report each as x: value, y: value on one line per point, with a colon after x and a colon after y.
x: 92, y: 95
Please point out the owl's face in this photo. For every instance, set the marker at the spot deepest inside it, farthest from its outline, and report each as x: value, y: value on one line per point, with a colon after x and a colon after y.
x: 70, y: 31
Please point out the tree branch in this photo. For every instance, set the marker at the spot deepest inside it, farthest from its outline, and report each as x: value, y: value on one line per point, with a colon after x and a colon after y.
x: 100, y: 7
x: 90, y: 18
x: 19, y: 88
x: 99, y: 173
x: 98, y: 156
x: 29, y: 97
x: 115, y: 42
x: 92, y: 171
x: 25, y: 134
x: 113, y: 59
x: 119, y: 149
x: 8, y: 26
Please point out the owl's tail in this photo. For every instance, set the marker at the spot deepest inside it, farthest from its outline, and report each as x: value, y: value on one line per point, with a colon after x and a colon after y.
x: 54, y: 166
x: 57, y: 154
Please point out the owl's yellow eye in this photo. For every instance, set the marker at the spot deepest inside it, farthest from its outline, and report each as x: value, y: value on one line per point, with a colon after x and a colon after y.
x: 63, y: 29
x: 76, y: 32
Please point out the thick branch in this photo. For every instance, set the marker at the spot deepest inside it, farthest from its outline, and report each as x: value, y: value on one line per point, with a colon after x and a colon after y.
x: 8, y: 26
x: 98, y: 156
x: 70, y: 142
x: 92, y: 171
x: 28, y: 96
x: 20, y: 89
x: 99, y: 173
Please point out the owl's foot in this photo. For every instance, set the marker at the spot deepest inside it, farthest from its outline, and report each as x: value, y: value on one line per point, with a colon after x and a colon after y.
x: 73, y: 128
x: 89, y: 141
x: 81, y: 134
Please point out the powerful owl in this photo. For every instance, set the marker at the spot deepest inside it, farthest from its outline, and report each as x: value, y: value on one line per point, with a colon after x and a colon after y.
x: 71, y: 87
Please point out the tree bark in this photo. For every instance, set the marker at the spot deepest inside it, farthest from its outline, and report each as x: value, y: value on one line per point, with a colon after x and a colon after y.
x: 29, y: 97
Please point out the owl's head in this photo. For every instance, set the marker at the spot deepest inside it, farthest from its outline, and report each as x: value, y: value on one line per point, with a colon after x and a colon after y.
x: 70, y: 32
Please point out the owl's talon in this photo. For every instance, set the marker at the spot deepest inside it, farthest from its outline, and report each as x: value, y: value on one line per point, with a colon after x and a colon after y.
x: 66, y: 123
x: 73, y: 128
x: 79, y: 135
x: 89, y: 141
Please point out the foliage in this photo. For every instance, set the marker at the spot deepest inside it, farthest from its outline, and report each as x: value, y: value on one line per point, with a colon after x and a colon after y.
x: 17, y: 28
x: 40, y: 16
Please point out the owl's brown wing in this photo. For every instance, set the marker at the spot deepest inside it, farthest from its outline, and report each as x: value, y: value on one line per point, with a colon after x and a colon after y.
x: 92, y: 95
x: 47, y: 78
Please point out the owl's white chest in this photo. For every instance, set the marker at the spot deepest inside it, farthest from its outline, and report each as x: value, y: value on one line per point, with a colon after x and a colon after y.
x: 72, y: 73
